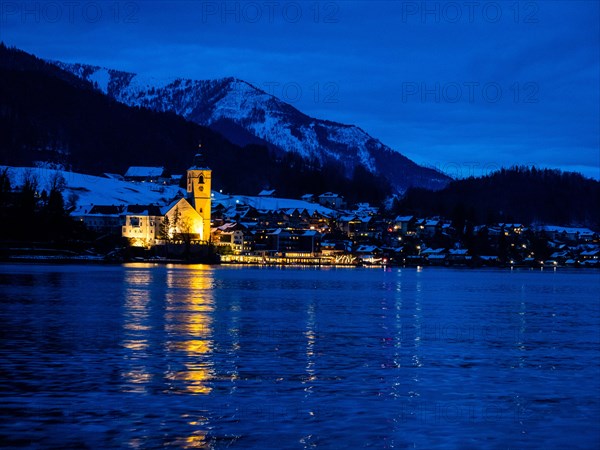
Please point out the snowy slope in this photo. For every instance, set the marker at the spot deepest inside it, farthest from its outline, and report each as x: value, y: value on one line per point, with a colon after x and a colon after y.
x: 93, y: 190
x: 238, y: 104
x: 271, y: 203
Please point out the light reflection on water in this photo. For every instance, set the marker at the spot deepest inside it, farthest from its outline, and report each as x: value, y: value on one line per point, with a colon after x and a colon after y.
x: 188, y: 322
x: 213, y: 357
x: 136, y: 326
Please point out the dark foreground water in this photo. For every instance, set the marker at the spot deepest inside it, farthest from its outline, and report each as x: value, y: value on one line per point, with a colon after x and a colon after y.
x: 221, y: 357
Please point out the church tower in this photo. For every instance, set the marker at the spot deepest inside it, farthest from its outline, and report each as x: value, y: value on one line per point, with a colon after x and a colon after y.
x: 198, y: 188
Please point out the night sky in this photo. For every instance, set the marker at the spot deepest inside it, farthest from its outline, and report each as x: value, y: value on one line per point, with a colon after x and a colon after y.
x: 466, y: 87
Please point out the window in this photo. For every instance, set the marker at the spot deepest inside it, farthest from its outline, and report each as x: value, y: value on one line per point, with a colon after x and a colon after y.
x: 134, y: 221
x: 200, y: 179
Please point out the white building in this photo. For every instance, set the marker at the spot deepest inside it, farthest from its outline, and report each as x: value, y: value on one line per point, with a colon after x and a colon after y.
x: 142, y: 224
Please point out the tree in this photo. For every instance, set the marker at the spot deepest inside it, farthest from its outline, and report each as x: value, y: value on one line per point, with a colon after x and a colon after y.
x: 29, y: 189
x: 72, y: 200
x: 175, y: 222
x: 27, y: 206
x: 6, y: 218
x: 53, y: 210
x: 57, y: 182
x: 5, y: 187
x: 459, y: 218
x: 185, y: 233
x: 164, y: 230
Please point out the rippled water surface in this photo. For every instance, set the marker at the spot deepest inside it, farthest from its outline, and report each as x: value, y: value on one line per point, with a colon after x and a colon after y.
x: 144, y: 356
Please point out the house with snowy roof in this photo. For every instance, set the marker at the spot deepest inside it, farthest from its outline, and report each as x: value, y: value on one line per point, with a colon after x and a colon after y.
x: 434, y: 253
x: 320, y: 221
x: 371, y: 254
x: 365, y: 209
x: 458, y: 256
x: 568, y: 234
x: 269, y: 193
x: 234, y: 235
x: 104, y: 219
x: 141, y: 224
x: 428, y: 227
x: 145, y: 174
x: 332, y: 200
x: 594, y: 254
x: 288, y: 241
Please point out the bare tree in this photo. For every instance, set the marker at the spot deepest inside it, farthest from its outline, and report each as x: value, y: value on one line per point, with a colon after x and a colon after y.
x: 185, y: 233
x: 72, y: 199
x: 57, y: 182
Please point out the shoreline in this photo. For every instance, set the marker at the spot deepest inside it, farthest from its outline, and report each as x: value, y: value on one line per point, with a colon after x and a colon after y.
x: 91, y: 260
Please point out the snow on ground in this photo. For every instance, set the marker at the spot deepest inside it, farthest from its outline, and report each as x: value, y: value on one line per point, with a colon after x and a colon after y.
x: 270, y: 203
x: 93, y: 190
x: 102, y: 78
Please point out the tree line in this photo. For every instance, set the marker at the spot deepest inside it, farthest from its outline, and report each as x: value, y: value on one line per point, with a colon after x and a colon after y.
x: 32, y: 213
x: 517, y: 194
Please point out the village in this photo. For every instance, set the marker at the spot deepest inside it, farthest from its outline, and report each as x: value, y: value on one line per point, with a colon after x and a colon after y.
x: 321, y: 229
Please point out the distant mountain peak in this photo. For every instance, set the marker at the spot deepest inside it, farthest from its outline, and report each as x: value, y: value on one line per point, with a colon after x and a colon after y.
x: 246, y: 114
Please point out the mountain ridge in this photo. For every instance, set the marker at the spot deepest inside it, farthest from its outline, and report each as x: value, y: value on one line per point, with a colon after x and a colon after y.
x: 245, y: 114
x: 49, y: 115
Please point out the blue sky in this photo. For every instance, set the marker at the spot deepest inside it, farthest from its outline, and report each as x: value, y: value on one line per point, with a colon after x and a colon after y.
x: 466, y: 87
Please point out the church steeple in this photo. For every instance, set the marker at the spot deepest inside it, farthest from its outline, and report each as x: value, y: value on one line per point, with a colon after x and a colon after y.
x: 199, y: 160
x: 199, y: 190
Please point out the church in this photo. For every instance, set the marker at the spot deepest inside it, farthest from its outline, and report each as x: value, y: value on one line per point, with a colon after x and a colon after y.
x: 186, y: 218
x: 199, y: 194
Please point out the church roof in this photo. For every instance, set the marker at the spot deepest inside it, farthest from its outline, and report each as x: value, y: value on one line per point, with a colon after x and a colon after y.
x: 199, y: 163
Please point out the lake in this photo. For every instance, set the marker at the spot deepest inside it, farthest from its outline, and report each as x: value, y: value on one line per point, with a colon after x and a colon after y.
x: 144, y: 356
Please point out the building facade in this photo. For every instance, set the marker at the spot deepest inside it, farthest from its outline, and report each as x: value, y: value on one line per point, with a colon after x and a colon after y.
x: 142, y: 224
x: 199, y: 193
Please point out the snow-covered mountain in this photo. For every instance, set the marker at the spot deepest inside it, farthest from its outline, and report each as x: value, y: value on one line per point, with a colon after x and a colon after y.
x: 245, y: 114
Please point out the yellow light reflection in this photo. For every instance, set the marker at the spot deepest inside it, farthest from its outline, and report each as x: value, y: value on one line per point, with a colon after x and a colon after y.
x: 197, y: 439
x: 138, y: 376
x: 135, y: 345
x: 189, y: 324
